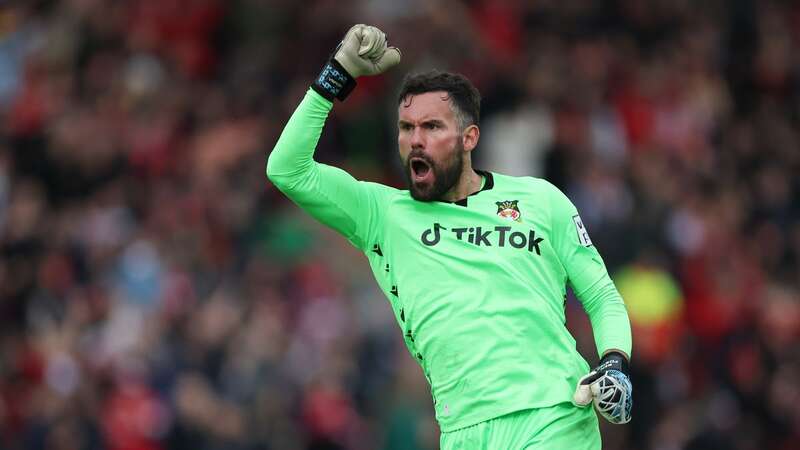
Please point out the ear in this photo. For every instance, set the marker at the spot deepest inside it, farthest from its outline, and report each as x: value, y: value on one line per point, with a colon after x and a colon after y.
x: 470, y: 137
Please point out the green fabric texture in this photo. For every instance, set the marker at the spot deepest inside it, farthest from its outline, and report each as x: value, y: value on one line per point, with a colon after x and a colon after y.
x: 477, y: 288
x: 562, y: 426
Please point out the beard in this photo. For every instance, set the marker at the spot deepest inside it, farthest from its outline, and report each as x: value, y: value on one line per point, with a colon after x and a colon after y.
x: 445, y: 174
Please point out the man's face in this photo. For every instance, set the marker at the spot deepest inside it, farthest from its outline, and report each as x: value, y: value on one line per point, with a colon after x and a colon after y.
x: 430, y: 145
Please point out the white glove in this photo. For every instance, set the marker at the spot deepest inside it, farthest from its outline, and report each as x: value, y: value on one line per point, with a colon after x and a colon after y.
x: 363, y: 51
x: 609, y: 388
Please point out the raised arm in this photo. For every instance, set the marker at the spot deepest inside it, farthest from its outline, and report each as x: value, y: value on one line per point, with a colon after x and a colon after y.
x: 330, y: 194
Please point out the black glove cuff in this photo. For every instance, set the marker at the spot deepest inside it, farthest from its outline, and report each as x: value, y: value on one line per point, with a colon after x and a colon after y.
x: 334, y: 82
x: 613, y: 361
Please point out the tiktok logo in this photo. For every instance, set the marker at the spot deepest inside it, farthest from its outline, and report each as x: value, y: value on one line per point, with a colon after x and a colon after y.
x: 480, y: 237
x: 426, y: 239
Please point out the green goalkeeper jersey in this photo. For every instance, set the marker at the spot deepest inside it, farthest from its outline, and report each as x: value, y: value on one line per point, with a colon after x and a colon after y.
x: 477, y: 286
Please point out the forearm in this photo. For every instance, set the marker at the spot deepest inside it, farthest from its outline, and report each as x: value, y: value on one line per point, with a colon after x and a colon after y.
x: 609, y: 318
x: 292, y: 159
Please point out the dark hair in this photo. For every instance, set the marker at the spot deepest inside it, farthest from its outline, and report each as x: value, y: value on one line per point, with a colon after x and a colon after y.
x: 464, y: 97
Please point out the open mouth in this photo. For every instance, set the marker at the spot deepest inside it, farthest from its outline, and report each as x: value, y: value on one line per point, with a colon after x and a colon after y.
x: 420, y: 169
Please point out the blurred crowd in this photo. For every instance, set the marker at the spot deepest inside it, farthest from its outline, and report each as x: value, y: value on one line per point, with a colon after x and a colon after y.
x: 157, y: 292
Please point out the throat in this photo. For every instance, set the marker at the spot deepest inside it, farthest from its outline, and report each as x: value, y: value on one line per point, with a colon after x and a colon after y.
x: 471, y: 184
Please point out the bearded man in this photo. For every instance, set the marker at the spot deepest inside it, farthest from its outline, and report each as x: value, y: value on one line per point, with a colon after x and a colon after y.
x: 474, y: 264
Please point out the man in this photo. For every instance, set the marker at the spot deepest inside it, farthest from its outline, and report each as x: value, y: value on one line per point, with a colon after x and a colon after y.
x: 474, y: 264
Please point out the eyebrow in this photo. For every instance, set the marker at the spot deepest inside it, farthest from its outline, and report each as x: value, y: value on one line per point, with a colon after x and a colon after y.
x: 427, y: 121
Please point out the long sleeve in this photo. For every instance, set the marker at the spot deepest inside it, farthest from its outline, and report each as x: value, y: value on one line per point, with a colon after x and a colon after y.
x: 329, y: 194
x: 589, y: 278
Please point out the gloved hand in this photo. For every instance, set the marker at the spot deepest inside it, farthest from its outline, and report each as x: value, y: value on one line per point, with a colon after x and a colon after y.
x: 609, y: 387
x: 363, y: 51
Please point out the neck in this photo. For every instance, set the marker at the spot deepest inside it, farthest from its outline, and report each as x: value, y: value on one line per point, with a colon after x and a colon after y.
x: 469, y: 183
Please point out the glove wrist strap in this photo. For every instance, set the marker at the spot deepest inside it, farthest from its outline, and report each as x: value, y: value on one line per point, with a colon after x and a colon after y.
x: 613, y: 361
x: 334, y: 82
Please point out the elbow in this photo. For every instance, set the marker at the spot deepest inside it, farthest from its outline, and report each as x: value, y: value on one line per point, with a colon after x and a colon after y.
x: 270, y: 165
x: 279, y: 173
x: 272, y: 169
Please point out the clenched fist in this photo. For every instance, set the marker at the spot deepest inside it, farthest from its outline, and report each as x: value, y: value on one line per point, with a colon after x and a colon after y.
x: 363, y: 51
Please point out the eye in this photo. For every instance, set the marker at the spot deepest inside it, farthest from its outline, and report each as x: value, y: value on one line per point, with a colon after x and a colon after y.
x: 432, y: 125
x: 405, y: 126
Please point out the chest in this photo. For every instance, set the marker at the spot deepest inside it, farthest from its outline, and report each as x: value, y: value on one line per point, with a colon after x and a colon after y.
x: 491, y: 236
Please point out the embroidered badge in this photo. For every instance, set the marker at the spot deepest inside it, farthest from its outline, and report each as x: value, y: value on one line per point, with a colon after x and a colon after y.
x: 508, y: 210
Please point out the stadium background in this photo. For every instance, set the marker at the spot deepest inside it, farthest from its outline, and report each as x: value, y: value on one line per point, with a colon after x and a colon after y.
x: 156, y: 292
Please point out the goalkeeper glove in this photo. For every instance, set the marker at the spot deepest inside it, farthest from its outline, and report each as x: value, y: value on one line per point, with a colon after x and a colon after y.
x: 609, y: 387
x: 363, y: 51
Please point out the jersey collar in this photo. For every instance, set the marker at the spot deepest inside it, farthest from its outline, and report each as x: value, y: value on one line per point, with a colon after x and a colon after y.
x: 488, y: 184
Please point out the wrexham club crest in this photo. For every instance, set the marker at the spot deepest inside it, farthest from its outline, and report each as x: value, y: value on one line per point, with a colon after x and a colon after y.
x: 508, y: 210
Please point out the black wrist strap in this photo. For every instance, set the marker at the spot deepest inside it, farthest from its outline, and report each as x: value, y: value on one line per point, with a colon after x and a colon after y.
x: 613, y: 361
x: 334, y: 82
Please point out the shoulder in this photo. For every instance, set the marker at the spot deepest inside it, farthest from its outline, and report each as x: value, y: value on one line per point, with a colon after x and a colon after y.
x: 380, y: 188
x: 534, y: 185
x: 385, y: 194
x: 542, y: 192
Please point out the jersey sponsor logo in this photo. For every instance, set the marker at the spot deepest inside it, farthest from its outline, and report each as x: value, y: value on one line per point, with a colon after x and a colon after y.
x: 583, y: 233
x: 508, y: 210
x: 484, y: 237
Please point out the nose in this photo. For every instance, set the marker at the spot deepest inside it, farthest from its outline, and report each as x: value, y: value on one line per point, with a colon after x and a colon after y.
x: 417, y: 139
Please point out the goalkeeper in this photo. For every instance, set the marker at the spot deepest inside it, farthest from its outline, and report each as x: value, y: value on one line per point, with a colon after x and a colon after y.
x: 474, y: 264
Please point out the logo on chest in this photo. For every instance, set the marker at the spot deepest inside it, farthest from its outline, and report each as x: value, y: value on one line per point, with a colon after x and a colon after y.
x: 508, y: 210
x: 484, y: 237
